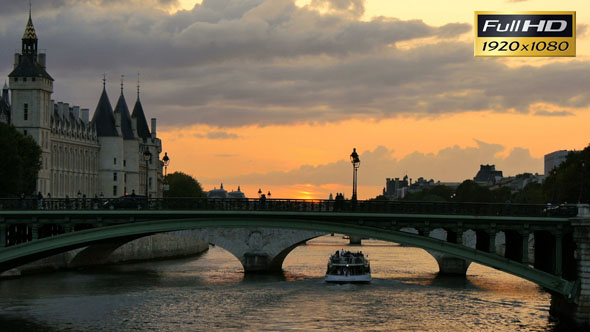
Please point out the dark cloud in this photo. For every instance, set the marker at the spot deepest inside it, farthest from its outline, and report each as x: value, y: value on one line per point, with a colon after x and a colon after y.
x: 230, y: 63
x: 218, y: 135
x: 380, y: 164
x: 553, y: 113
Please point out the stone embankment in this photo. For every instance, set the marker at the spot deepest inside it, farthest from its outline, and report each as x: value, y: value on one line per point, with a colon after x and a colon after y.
x: 159, y: 246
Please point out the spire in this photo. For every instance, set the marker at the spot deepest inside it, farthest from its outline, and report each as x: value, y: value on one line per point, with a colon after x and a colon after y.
x: 5, y: 86
x: 103, y: 118
x: 137, y: 86
x: 30, y: 36
x: 104, y: 81
x: 121, y: 108
x: 143, y: 130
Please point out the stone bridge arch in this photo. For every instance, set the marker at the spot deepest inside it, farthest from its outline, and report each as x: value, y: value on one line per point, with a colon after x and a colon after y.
x: 23, y: 253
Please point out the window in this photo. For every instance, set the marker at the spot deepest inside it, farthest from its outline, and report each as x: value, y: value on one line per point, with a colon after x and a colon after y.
x: 115, y: 176
x: 115, y: 161
x: 125, y: 179
x: 16, y: 79
x: 124, y: 163
x: 25, y: 132
x: 26, y: 111
x: 24, y: 79
x: 33, y: 79
x: 115, y: 191
x: 150, y: 183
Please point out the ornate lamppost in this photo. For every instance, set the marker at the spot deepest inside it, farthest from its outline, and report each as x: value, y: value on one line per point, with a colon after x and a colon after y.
x: 147, y: 155
x: 356, y: 162
x: 166, y: 161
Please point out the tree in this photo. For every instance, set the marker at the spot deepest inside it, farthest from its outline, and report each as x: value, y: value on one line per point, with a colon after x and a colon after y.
x: 379, y: 198
x: 570, y: 182
x: 470, y: 191
x: 532, y: 193
x: 438, y: 193
x: 20, y: 157
x: 183, y: 185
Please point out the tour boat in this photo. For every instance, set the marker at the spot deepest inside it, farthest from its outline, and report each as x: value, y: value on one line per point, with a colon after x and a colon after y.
x: 348, y: 267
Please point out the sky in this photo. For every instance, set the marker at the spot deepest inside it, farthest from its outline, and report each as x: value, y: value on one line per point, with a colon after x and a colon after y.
x: 275, y: 94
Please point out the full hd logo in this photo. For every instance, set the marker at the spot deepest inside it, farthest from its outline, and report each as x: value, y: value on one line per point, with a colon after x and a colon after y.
x: 525, y: 34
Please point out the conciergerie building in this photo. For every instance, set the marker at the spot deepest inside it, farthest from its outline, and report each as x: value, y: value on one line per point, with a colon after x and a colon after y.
x: 105, y: 155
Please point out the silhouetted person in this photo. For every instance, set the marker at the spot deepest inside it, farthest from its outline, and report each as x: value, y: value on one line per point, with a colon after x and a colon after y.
x: 40, y: 201
x: 262, y: 201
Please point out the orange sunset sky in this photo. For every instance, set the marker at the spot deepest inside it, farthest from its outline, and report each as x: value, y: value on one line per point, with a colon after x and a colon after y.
x: 275, y: 94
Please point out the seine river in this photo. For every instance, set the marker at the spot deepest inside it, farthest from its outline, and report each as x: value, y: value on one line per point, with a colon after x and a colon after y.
x: 211, y: 293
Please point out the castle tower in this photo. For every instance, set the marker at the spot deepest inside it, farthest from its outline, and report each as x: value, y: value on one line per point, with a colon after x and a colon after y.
x: 131, y: 147
x: 111, y: 181
x: 147, y: 141
x: 31, y: 88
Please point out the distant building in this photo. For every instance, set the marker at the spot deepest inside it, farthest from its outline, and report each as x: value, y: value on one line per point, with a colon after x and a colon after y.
x: 518, y: 182
x: 398, y: 189
x: 554, y: 159
x: 222, y: 193
x: 488, y: 175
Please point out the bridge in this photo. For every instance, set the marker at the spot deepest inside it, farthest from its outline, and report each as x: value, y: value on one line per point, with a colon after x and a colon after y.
x: 33, y: 229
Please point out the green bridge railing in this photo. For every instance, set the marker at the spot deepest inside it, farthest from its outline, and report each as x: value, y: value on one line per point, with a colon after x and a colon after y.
x: 292, y: 205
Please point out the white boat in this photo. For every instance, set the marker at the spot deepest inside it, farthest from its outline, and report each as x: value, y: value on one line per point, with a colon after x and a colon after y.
x: 348, y: 267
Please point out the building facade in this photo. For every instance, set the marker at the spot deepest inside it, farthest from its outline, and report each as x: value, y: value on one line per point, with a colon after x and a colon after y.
x: 106, y: 156
x: 554, y: 159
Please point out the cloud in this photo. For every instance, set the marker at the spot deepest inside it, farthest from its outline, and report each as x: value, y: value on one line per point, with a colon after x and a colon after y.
x: 553, y: 113
x: 218, y: 135
x: 380, y: 163
x: 231, y: 63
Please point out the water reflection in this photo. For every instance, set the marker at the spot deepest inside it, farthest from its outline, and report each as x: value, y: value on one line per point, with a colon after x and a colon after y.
x: 211, y: 292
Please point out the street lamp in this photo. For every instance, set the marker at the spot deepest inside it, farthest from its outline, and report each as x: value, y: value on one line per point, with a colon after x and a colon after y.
x: 356, y: 162
x: 268, y: 194
x: 259, y: 192
x: 166, y: 161
x: 147, y: 155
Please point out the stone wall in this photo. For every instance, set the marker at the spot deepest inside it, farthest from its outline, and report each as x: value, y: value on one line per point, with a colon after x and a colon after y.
x: 159, y: 246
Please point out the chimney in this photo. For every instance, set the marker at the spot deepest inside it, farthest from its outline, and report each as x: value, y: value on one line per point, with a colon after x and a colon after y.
x: 60, y: 109
x: 153, y: 127
x: 41, y: 58
x: 84, y: 115
x: 76, y: 112
x: 16, y: 59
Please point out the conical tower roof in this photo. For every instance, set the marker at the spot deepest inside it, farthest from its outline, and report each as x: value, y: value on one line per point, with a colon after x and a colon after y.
x: 30, y: 30
x: 143, y: 130
x: 103, y: 117
x: 126, y: 127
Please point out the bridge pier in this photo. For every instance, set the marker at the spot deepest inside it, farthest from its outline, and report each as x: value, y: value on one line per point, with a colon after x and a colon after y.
x: 2, y: 235
x: 574, y: 310
x: 448, y: 264
x: 259, y: 250
x: 355, y: 240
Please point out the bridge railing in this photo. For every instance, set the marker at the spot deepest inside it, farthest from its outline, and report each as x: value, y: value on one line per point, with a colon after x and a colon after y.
x: 290, y: 205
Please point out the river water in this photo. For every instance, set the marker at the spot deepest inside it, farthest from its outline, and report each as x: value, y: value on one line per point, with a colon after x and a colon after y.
x: 210, y: 293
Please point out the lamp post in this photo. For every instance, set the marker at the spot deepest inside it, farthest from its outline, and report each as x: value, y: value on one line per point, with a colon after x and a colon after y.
x: 147, y: 155
x: 268, y: 194
x: 259, y: 192
x: 166, y: 161
x: 356, y: 162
